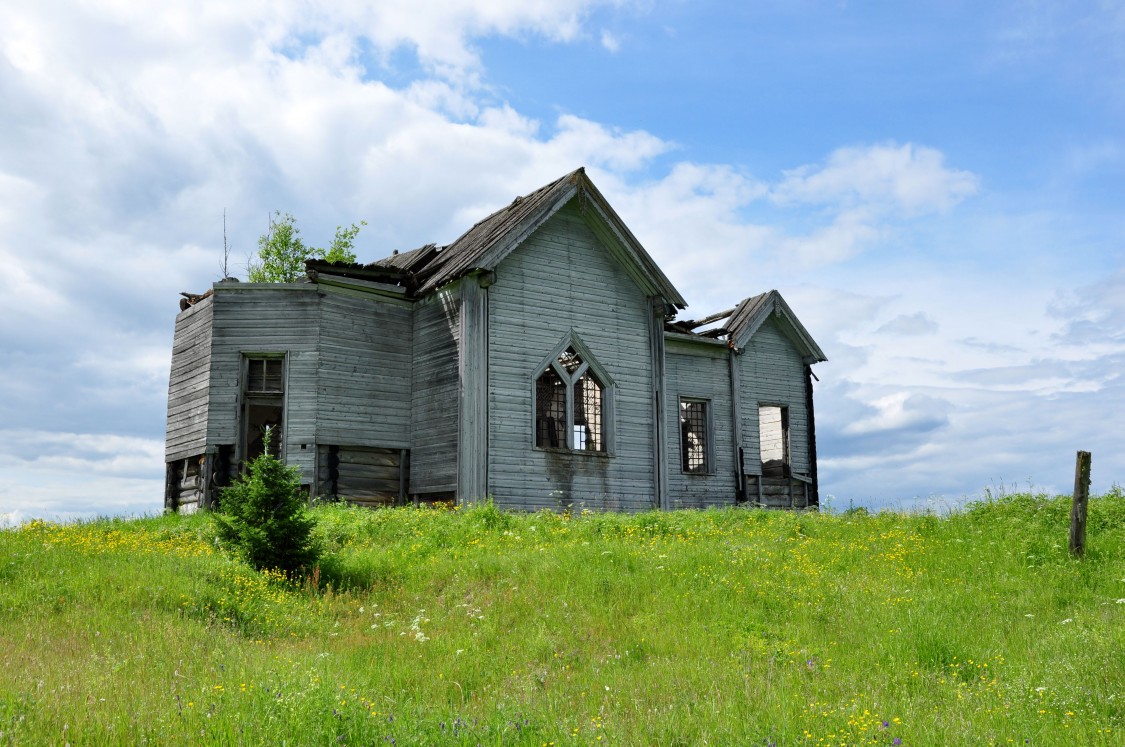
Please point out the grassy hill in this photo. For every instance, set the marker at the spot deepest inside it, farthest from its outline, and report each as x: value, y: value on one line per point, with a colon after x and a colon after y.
x: 478, y: 627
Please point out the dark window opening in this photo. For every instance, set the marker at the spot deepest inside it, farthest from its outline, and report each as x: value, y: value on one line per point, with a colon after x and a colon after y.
x: 264, y: 375
x: 570, y: 406
x: 550, y: 408
x: 588, y: 409
x: 773, y: 433
x: 695, y: 436
x: 263, y: 407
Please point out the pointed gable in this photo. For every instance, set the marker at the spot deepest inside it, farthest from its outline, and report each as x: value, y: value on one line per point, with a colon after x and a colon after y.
x: 749, y: 315
x: 488, y: 242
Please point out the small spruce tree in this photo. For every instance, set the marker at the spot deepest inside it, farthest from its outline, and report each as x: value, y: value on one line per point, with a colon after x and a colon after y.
x: 264, y: 518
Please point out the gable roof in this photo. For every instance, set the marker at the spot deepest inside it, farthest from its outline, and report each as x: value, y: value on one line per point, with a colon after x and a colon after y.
x: 488, y: 242
x: 752, y: 312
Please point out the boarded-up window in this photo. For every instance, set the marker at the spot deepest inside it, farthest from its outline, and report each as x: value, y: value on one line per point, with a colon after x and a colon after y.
x: 570, y: 405
x: 263, y: 405
x: 773, y: 433
x: 695, y: 436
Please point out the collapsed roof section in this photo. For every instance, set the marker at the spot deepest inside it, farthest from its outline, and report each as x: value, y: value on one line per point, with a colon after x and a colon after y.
x: 739, y: 324
x: 485, y: 245
x: 419, y: 272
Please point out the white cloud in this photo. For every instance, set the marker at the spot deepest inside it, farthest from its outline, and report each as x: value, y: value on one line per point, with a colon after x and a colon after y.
x: 908, y: 178
x: 610, y: 42
x: 918, y: 323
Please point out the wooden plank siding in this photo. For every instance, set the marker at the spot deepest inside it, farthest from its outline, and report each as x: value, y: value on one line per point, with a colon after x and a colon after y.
x: 414, y: 377
x: 188, y: 383
x: 771, y: 373
x: 562, y: 279
x: 365, y: 476
x: 700, y: 370
x: 435, y: 394
x: 258, y: 318
x: 364, y: 372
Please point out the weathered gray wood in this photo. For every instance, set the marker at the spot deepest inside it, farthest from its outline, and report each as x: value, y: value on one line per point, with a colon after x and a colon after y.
x: 737, y: 449
x: 473, y: 432
x: 363, y: 377
x: 700, y: 371
x: 389, y: 395
x: 560, y: 280
x: 434, y: 394
x: 661, y: 431
x: 1078, y: 505
x: 771, y: 372
x: 188, y: 384
x: 281, y: 319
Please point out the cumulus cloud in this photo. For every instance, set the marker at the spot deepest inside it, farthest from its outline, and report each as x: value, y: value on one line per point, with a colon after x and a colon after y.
x: 1093, y: 315
x: 918, y: 323
x: 908, y: 178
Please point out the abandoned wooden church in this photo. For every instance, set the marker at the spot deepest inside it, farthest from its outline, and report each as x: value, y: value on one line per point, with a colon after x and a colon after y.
x: 535, y: 360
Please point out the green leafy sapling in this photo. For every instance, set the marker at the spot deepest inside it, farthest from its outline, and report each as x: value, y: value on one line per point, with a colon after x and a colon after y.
x: 282, y: 252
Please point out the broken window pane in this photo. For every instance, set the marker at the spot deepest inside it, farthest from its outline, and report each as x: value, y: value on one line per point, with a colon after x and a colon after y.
x: 588, y: 435
x: 263, y: 406
x: 694, y: 436
x: 550, y: 410
x: 570, y: 405
x: 264, y: 375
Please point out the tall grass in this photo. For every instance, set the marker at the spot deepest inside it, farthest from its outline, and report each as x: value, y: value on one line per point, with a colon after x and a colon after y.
x: 480, y: 627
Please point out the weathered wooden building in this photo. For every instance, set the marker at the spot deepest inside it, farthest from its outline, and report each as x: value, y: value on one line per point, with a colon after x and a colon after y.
x: 536, y: 360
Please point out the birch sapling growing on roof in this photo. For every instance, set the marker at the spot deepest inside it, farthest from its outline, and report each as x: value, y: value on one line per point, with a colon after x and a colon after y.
x: 282, y: 252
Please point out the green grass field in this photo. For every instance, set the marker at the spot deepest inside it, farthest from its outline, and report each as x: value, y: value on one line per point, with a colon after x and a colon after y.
x: 735, y: 627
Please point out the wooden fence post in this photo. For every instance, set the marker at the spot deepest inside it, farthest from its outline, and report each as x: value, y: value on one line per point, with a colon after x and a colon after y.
x: 1078, y: 508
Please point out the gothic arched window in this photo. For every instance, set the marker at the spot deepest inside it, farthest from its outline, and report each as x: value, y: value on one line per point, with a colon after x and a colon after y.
x: 573, y: 398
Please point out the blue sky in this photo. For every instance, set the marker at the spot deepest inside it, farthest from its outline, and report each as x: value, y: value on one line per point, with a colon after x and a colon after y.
x: 936, y: 188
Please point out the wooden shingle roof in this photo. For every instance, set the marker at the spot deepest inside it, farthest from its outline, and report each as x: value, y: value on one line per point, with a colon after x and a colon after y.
x: 749, y: 315
x: 488, y: 242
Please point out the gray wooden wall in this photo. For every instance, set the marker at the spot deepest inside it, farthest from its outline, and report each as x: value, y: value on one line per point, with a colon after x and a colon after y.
x: 771, y: 372
x: 188, y: 382
x: 435, y: 393
x: 364, y: 371
x: 259, y: 318
x: 559, y: 279
x: 700, y: 370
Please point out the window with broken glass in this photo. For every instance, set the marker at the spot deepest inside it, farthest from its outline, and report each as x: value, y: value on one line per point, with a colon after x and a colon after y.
x: 695, y: 436
x: 570, y: 405
x: 263, y: 404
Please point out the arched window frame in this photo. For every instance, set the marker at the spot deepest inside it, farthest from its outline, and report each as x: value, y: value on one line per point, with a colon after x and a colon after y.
x: 589, y: 364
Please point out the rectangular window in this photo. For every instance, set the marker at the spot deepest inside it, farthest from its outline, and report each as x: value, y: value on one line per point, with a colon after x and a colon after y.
x: 773, y: 434
x: 695, y: 436
x: 263, y: 405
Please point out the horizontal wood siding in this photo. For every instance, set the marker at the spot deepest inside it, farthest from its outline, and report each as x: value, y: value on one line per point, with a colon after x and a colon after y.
x: 186, y: 433
x: 700, y: 372
x: 771, y: 372
x: 365, y: 476
x: 363, y: 387
x: 251, y: 319
x: 434, y: 394
x: 560, y: 279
